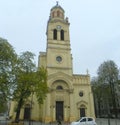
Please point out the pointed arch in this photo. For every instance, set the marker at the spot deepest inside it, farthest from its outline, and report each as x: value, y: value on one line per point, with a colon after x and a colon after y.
x: 81, y: 104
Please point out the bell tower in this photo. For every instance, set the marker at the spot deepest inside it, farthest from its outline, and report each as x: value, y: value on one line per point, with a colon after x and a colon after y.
x: 59, y: 58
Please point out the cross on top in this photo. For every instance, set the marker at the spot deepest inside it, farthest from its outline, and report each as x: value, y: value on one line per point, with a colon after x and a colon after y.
x: 57, y: 3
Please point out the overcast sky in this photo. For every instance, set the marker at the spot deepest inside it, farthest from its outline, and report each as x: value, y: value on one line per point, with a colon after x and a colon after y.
x: 94, y: 29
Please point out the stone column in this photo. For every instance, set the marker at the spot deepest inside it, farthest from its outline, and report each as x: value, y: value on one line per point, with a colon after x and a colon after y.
x: 54, y: 113
x: 47, y: 109
x: 65, y: 113
x: 58, y: 34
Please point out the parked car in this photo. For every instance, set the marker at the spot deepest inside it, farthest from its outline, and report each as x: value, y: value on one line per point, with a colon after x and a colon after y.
x: 85, y: 121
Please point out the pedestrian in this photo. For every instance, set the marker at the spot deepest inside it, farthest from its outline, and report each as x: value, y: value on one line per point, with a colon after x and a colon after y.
x: 59, y: 120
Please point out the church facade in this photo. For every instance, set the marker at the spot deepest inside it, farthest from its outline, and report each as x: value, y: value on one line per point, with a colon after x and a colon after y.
x: 70, y: 96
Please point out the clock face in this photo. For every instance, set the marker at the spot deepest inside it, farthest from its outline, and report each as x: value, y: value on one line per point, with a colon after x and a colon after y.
x: 59, y: 58
x: 58, y: 27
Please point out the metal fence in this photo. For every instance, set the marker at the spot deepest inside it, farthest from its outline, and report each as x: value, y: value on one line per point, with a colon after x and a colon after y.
x: 104, y: 121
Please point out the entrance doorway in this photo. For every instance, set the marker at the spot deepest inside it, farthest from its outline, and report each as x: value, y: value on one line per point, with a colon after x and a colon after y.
x: 82, y: 112
x: 59, y: 110
x: 27, y: 113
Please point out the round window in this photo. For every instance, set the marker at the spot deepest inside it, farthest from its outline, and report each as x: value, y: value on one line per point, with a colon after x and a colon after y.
x: 59, y: 58
x: 81, y: 94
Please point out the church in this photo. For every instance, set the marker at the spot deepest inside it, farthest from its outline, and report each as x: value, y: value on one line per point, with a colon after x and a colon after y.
x: 70, y: 96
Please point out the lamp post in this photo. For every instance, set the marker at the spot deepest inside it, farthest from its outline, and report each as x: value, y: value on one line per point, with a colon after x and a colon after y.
x: 108, y: 110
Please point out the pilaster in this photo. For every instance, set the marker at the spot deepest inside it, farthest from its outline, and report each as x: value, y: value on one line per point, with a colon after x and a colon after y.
x: 47, y: 109
x: 72, y: 115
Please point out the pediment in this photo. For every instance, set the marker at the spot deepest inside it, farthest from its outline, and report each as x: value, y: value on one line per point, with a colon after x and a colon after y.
x: 82, y: 103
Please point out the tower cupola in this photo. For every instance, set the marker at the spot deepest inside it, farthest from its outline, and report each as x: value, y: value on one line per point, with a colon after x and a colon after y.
x: 57, y: 12
x: 57, y: 24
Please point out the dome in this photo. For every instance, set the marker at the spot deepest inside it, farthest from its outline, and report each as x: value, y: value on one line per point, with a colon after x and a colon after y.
x: 57, y: 6
x: 57, y: 12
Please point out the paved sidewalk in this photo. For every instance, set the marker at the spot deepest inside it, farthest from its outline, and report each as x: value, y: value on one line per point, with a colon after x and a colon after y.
x: 99, y: 121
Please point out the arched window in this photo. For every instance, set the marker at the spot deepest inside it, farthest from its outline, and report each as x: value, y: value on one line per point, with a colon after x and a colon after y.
x: 82, y: 112
x: 58, y: 13
x: 62, y: 34
x: 62, y: 15
x: 53, y: 14
x: 59, y: 87
x: 55, y: 34
x: 27, y: 112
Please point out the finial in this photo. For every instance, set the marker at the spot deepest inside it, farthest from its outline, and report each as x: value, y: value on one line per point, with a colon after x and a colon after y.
x: 57, y: 3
